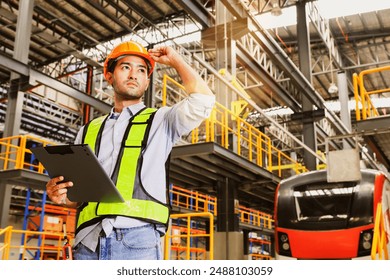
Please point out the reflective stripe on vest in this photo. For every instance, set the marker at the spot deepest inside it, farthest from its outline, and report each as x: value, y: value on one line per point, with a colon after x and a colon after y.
x: 147, y: 208
x: 92, y: 132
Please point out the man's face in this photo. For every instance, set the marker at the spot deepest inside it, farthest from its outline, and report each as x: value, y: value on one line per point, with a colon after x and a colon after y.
x: 130, y: 78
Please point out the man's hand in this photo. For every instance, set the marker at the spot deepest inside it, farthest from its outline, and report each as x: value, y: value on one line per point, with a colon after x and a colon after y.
x: 166, y: 55
x: 57, y: 190
x: 192, y: 81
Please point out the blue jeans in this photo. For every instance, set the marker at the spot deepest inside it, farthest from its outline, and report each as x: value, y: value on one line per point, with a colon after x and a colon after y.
x: 139, y: 243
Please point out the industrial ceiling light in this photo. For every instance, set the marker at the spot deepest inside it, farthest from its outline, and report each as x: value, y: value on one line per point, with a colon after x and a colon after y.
x: 332, y: 87
x: 276, y: 10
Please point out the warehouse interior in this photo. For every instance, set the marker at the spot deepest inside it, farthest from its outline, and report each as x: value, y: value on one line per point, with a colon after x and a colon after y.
x: 293, y: 84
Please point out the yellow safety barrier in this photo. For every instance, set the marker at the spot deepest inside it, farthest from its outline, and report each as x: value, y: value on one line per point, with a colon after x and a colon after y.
x: 364, y: 107
x: 193, y: 200
x: 246, y: 139
x: 255, y: 217
x: 15, y: 154
x: 185, y: 229
x: 379, y: 242
x: 45, y: 248
x: 5, y: 247
x: 230, y: 130
x: 167, y: 79
x: 237, y: 106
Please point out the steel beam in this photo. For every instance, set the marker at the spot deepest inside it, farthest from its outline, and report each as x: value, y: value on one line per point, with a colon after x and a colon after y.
x: 265, y: 78
x: 36, y: 78
x: 197, y: 11
x: 309, y: 129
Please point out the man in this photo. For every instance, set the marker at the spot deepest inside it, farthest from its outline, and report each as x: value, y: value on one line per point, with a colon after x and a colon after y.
x: 133, y: 144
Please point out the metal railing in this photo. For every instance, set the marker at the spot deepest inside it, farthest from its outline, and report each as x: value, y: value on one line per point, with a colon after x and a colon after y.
x: 193, y: 200
x: 234, y: 133
x: 187, y: 230
x: 364, y: 106
x: 255, y: 217
x: 379, y: 243
x: 51, y: 243
x: 15, y: 154
x: 5, y: 247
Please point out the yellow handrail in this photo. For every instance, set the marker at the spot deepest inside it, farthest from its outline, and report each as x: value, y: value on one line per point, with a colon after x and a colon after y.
x: 10, y: 152
x: 5, y: 247
x: 167, y: 79
x: 250, y: 143
x: 193, y: 200
x: 233, y: 132
x: 362, y: 96
x: 14, y: 152
x: 255, y: 217
x: 379, y: 242
x: 189, y: 233
x: 44, y: 247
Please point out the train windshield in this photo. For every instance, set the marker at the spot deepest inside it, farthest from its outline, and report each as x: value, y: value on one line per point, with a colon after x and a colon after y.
x: 326, y: 206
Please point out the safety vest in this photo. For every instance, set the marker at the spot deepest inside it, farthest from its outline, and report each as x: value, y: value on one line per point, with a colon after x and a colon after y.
x: 138, y: 203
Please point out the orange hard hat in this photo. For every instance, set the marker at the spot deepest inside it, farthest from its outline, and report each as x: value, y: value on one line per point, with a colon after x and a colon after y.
x: 128, y: 48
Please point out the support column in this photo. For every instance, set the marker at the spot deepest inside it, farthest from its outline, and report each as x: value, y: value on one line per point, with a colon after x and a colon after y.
x: 309, y: 128
x: 87, y: 108
x: 226, y: 207
x: 344, y: 99
x: 225, y: 59
x: 293, y: 156
x: 246, y: 242
x: 228, y: 238
x: 15, y: 97
x: 225, y: 53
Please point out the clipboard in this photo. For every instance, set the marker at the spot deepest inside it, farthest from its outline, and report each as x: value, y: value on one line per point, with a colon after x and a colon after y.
x: 78, y: 163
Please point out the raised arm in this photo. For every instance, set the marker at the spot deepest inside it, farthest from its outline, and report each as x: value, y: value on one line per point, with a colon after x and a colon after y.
x: 192, y: 81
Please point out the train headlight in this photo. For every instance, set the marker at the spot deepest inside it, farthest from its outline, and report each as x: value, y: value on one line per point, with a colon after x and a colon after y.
x: 284, y: 244
x: 365, y: 243
x: 367, y: 236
